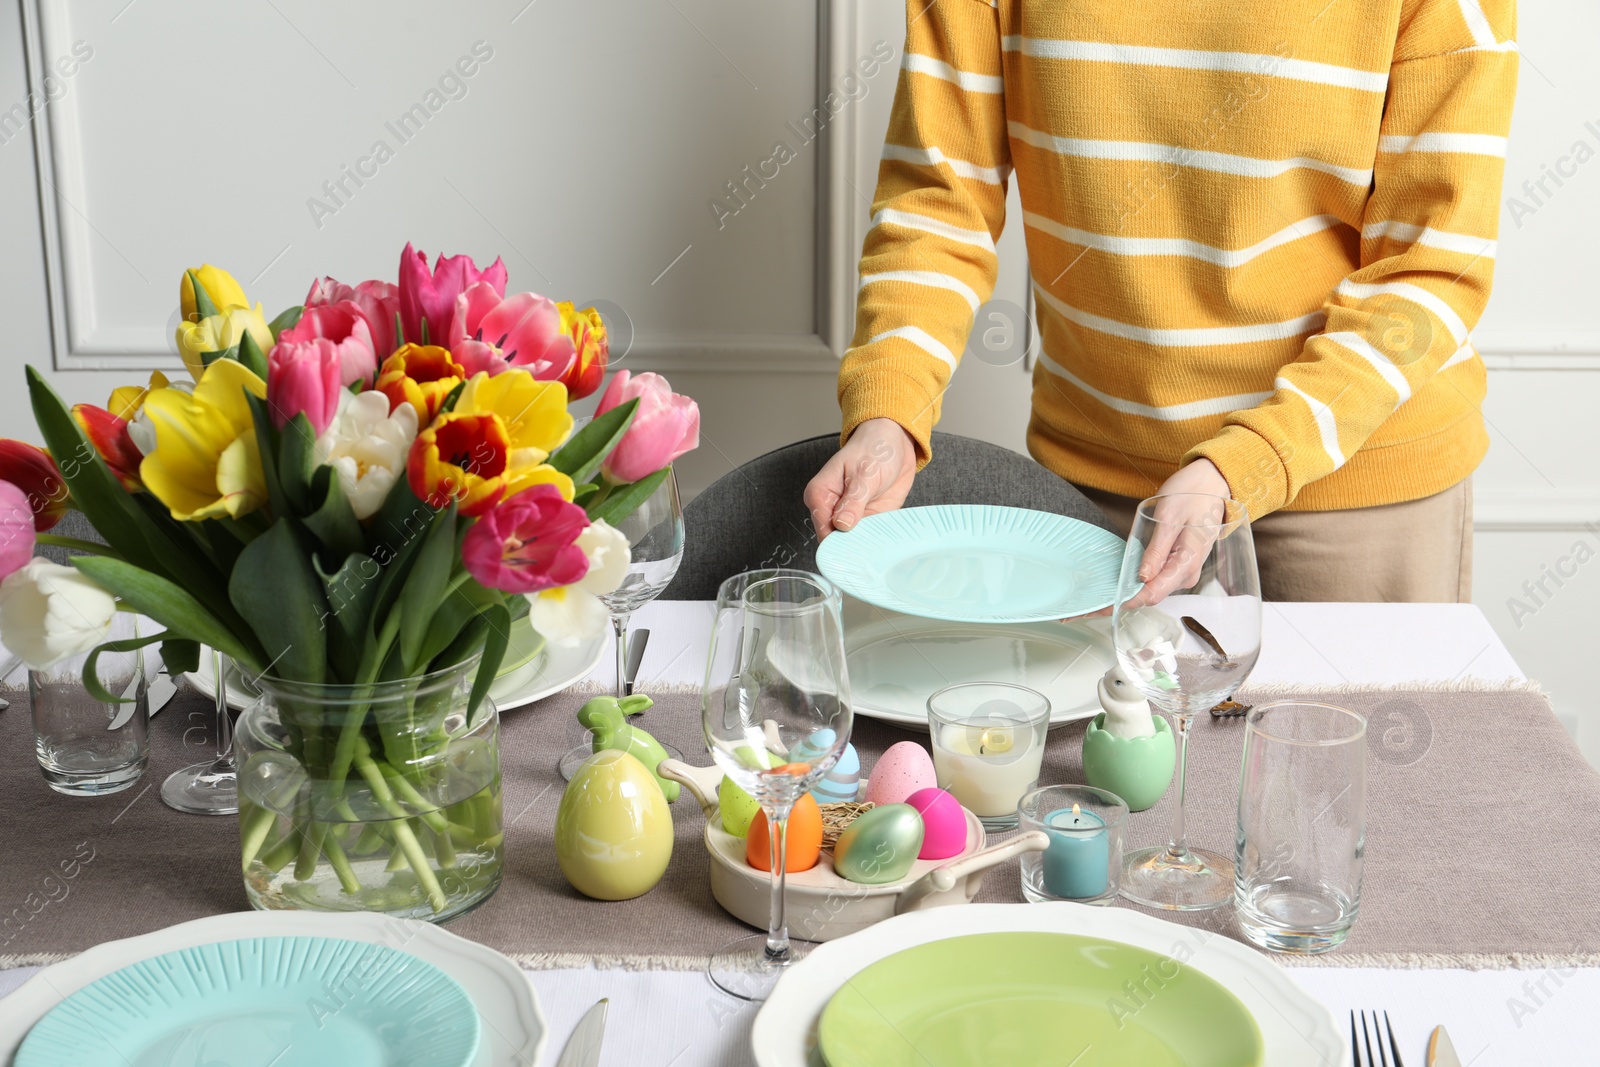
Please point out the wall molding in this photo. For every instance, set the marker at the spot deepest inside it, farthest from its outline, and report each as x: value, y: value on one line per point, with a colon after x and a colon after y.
x: 1534, y: 510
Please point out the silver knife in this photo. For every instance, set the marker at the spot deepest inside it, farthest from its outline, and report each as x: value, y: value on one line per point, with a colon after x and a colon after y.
x: 635, y: 657
x: 1441, y: 1053
x: 583, y: 1047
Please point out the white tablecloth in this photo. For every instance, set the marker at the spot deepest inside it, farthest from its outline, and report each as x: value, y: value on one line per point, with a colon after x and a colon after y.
x: 1509, y: 1018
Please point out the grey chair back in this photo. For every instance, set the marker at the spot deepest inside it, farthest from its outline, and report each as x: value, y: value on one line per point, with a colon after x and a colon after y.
x: 73, y: 524
x: 754, y: 516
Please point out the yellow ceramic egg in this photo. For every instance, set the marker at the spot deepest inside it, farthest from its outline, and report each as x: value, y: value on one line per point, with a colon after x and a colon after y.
x: 613, y: 828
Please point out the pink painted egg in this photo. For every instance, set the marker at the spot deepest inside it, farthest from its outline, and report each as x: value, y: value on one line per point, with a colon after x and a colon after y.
x: 901, y: 771
x: 944, y: 824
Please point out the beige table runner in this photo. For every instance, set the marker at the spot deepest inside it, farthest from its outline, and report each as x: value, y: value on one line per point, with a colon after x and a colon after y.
x: 1483, y: 841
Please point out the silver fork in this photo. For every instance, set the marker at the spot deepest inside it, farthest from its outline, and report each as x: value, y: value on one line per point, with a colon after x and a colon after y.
x: 1370, y: 1037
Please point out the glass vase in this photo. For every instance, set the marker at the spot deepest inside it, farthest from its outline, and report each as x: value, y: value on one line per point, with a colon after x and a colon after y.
x: 381, y: 798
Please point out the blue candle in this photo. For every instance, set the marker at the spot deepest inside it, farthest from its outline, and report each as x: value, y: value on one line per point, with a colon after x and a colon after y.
x: 1078, y: 861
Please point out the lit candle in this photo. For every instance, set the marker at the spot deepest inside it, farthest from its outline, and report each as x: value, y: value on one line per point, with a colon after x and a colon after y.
x: 1078, y: 862
x: 989, y: 768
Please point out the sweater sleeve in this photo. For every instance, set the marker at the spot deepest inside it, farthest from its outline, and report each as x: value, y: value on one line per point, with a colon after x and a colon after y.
x: 1427, y: 258
x: 929, y: 258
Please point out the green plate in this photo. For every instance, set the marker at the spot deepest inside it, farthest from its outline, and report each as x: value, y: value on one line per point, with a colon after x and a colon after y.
x: 1026, y: 999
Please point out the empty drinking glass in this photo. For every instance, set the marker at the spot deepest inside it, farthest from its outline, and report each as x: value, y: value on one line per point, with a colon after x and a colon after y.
x: 1302, y: 825
x: 86, y: 746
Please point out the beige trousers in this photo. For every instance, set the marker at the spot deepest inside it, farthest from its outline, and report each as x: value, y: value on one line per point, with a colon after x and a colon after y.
x: 1419, y: 551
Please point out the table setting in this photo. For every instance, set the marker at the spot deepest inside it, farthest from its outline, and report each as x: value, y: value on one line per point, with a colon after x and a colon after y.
x: 972, y: 790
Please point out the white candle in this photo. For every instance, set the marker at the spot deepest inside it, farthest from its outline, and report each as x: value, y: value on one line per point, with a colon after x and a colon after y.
x: 987, y: 768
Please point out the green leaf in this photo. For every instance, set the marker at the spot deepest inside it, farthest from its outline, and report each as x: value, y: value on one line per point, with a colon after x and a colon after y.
x: 449, y: 402
x: 350, y: 592
x: 203, y: 307
x: 91, y: 666
x: 267, y: 445
x: 583, y: 491
x: 169, y: 604
x: 180, y: 655
x: 422, y: 324
x: 625, y: 499
x: 401, y: 519
x: 334, y: 523
x: 399, y: 339
x: 426, y: 586
x: 288, y: 320
x: 275, y: 587
x: 580, y: 457
x: 251, y: 356
x: 494, y: 651
x: 462, y: 606
x: 297, y: 460
x: 209, y: 358
x: 225, y: 541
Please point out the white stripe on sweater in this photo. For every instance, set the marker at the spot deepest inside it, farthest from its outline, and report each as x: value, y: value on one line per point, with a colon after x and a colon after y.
x: 1221, y: 162
x: 933, y: 157
x: 1478, y: 23
x: 922, y: 339
x: 1190, y: 338
x: 1475, y: 144
x: 1465, y: 243
x: 1354, y: 342
x: 926, y: 277
x: 1327, y: 425
x: 1417, y: 295
x: 928, y: 224
x: 1266, y: 65
x: 1176, y: 246
x: 1194, y: 409
x: 977, y: 83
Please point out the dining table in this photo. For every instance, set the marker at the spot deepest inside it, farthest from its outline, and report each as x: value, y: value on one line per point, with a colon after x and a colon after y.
x: 1495, y: 1015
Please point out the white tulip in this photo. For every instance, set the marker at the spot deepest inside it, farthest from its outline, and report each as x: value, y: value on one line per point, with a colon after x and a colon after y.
x: 572, y: 614
x: 366, y: 446
x: 49, y: 612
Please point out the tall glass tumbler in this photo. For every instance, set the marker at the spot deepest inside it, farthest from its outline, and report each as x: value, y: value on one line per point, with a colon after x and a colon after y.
x: 1302, y: 825
x: 84, y: 745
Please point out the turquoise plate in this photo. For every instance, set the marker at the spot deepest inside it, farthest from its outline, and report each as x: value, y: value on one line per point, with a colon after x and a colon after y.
x: 975, y: 563
x: 284, y: 1001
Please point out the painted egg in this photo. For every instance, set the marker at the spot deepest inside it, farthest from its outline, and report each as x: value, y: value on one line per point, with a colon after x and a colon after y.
x: 737, y: 806
x: 901, y: 771
x: 843, y: 780
x: 944, y: 824
x: 802, y: 840
x: 613, y: 828
x: 880, y: 846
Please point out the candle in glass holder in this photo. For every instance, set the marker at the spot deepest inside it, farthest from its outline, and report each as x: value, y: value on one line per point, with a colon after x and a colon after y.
x: 1077, y: 863
x: 988, y: 744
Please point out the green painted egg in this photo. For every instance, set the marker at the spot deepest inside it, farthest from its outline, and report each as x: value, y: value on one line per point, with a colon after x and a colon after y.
x: 880, y: 846
x: 737, y: 806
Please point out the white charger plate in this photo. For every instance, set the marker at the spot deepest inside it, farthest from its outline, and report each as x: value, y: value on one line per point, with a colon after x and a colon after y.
x: 1296, y: 1030
x: 549, y: 672
x: 514, y: 1029
x: 897, y: 662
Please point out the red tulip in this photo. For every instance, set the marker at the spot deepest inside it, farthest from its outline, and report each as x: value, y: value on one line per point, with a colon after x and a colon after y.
x: 30, y: 468
x: 527, y: 543
x: 111, y: 439
x: 665, y: 426
x: 591, y: 348
x: 430, y: 297
x: 347, y: 327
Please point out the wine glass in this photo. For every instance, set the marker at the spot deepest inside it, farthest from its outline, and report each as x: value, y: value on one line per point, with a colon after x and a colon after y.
x: 1187, y: 638
x: 775, y: 679
x: 210, y: 787
x: 655, y: 542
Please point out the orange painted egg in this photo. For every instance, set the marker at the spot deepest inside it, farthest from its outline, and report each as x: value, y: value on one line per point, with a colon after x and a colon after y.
x: 803, y: 842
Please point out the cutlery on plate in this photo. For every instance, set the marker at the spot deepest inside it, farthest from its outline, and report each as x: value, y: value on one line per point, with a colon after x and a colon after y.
x: 1441, y: 1053
x: 583, y: 1047
x: 641, y: 637
x: 1370, y: 1040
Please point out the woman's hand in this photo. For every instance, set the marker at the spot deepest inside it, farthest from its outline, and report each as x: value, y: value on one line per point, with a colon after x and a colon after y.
x: 872, y: 473
x: 1176, y: 552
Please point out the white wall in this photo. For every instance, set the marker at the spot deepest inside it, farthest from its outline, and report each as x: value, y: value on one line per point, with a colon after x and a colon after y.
x: 586, y: 151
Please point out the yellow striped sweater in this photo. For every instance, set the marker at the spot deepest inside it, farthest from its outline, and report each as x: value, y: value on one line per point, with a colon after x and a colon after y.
x: 1259, y: 231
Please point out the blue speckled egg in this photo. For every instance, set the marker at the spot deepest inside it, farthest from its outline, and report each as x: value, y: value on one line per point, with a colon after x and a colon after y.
x: 843, y: 780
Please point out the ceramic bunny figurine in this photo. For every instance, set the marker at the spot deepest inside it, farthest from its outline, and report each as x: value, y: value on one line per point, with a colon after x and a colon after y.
x: 607, y: 717
x: 1127, y: 711
x: 1126, y: 748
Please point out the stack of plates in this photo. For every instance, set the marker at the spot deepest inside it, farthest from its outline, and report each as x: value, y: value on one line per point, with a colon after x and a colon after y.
x: 355, y: 990
x: 1045, y: 984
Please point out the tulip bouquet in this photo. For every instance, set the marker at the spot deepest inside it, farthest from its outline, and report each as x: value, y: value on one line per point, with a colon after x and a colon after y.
x: 359, y: 496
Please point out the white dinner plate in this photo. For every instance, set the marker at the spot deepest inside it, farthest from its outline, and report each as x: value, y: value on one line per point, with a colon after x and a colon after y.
x: 897, y: 661
x: 550, y: 671
x: 514, y: 1029
x: 1296, y: 1030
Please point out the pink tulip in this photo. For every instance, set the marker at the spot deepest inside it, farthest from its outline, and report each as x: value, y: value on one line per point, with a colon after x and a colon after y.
x: 490, y: 334
x: 16, y: 529
x: 379, y: 302
x: 665, y: 426
x: 527, y: 543
x: 345, y: 325
x: 431, y: 297
x: 303, y: 378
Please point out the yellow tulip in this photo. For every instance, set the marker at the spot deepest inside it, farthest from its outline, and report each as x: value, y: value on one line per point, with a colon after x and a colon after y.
x: 206, y: 463
x: 220, y: 332
x: 219, y: 286
x: 126, y: 400
x: 536, y: 419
